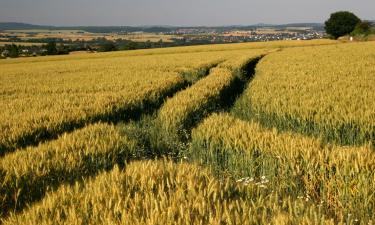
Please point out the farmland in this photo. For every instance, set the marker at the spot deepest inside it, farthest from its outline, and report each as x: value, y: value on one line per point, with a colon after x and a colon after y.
x: 75, y: 35
x: 289, y: 164
x: 52, y: 106
x: 2, y: 43
x: 276, y: 133
x: 342, y: 109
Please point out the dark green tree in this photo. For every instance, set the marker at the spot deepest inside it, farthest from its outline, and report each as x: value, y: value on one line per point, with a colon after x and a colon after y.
x: 62, y: 49
x: 14, y: 51
x: 341, y: 23
x: 107, y: 47
x: 51, y: 48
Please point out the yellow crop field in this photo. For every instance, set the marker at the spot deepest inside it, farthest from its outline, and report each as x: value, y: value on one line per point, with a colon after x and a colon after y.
x: 176, y: 194
x: 180, y: 112
x: 252, y: 133
x: 290, y: 165
x: 73, y: 156
x: 322, y: 91
x: 84, y: 91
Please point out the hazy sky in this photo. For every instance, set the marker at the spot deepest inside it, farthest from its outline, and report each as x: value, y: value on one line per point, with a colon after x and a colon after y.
x: 177, y: 12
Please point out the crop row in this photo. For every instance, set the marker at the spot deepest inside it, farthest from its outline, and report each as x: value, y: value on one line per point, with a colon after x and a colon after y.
x: 84, y: 152
x: 56, y: 97
x: 324, y: 91
x: 340, y: 180
x: 180, y: 113
x: 26, y: 175
x: 166, y: 193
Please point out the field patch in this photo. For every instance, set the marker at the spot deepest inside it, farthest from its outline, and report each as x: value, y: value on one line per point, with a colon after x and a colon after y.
x: 61, y: 96
x: 178, y: 193
x: 277, y: 133
x: 29, y: 173
x: 325, y: 91
x: 289, y: 164
x: 215, y: 92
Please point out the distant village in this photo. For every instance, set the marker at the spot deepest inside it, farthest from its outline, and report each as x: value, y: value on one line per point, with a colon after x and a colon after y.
x: 248, y: 36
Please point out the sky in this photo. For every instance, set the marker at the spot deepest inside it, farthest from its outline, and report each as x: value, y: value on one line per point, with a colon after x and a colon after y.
x: 177, y: 12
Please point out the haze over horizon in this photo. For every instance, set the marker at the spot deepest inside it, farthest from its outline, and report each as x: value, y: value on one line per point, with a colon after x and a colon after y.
x: 176, y: 12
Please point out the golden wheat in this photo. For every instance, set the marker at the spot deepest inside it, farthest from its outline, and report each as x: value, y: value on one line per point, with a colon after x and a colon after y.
x: 59, y: 96
x: 322, y: 91
x: 261, y: 176
x: 181, y: 112
x: 166, y: 193
x: 27, y: 174
x: 339, y: 179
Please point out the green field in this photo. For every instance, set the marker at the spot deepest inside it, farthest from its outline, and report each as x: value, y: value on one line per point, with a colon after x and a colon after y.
x: 253, y: 133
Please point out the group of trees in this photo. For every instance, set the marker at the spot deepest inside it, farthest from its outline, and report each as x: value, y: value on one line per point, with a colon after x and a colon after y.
x: 51, y: 48
x: 13, y: 50
x: 56, y: 47
x: 344, y: 23
x: 104, y: 45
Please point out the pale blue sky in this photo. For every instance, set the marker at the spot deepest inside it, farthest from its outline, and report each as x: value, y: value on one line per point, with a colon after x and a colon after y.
x: 177, y: 12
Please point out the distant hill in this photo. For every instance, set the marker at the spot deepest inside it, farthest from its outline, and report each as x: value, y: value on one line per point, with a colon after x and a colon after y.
x: 290, y: 25
x: 151, y: 29
x: 22, y: 26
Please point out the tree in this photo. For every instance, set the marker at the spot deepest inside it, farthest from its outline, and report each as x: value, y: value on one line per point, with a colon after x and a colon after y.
x: 107, y: 47
x: 51, y: 48
x: 362, y: 28
x: 14, y: 51
x: 62, y: 49
x: 341, y: 23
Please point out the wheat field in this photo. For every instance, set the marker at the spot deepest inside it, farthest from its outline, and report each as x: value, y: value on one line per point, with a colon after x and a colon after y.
x: 252, y: 133
x: 326, y: 90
